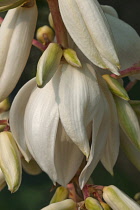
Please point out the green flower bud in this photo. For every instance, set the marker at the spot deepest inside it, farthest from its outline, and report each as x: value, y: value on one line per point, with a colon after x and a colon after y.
x: 60, y: 194
x: 105, y: 206
x: 115, y: 87
x: 92, y: 204
x: 71, y: 57
x: 128, y: 121
x: 4, y: 105
x: 10, y: 162
x: 48, y: 64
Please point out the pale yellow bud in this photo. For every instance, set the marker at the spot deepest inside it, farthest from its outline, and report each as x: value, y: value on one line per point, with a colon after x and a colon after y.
x: 92, y: 204
x: 4, y: 105
x: 48, y: 64
x: 31, y: 168
x: 45, y: 34
x: 10, y: 162
x: 105, y: 206
x: 60, y: 194
x: 115, y: 87
x: 71, y: 57
x: 68, y: 204
x: 51, y: 20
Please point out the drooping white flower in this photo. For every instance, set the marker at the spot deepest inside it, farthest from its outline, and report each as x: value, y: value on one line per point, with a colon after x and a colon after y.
x: 54, y: 120
x: 16, y: 34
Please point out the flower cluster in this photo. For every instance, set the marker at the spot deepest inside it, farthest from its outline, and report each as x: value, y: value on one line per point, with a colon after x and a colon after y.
x: 74, y: 113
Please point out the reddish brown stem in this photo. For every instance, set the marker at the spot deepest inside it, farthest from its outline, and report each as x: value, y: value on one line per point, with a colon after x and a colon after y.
x: 1, y: 20
x: 127, y: 72
x: 3, y: 122
x: 130, y: 85
x: 60, y: 30
x: 39, y: 45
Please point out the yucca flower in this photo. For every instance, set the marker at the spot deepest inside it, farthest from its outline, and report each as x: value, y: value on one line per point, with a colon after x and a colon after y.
x: 16, y: 34
x: 56, y: 121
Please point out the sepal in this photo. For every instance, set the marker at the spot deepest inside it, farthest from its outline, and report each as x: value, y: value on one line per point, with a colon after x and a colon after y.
x: 10, y: 162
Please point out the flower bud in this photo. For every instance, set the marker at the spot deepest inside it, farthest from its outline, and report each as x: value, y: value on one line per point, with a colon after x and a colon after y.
x: 68, y: 204
x: 117, y: 200
x: 45, y: 34
x: 4, y: 116
x: 48, y: 64
x: 31, y: 168
x: 115, y: 87
x: 10, y: 161
x: 92, y: 204
x: 105, y: 206
x: 4, y: 105
x: 71, y: 57
x: 137, y: 196
x: 14, y: 52
x: 60, y: 194
x: 128, y: 121
x: 6, y: 5
x: 51, y: 20
x: 2, y: 180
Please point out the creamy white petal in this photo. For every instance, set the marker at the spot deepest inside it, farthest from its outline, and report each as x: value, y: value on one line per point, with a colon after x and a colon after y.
x: 79, y: 96
x: 19, y: 49
x: 132, y: 153
x: 111, y: 150
x: 127, y: 42
x: 6, y: 31
x: 16, y: 117
x: 87, y: 25
x: 68, y: 157
x: 100, y: 130
x: 41, y: 123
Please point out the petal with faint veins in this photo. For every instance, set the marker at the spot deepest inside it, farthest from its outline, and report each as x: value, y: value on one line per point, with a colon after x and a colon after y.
x: 100, y: 130
x: 87, y: 25
x: 68, y: 157
x: 16, y: 117
x: 111, y: 150
x: 41, y: 123
x: 79, y: 96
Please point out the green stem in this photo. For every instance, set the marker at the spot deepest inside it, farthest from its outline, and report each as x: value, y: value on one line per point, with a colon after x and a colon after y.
x: 60, y: 30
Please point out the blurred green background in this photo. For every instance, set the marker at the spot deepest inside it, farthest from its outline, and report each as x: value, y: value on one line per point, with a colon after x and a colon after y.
x: 34, y: 192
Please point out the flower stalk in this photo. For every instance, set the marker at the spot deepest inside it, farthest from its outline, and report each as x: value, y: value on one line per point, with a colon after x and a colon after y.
x: 60, y: 30
x: 127, y: 72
